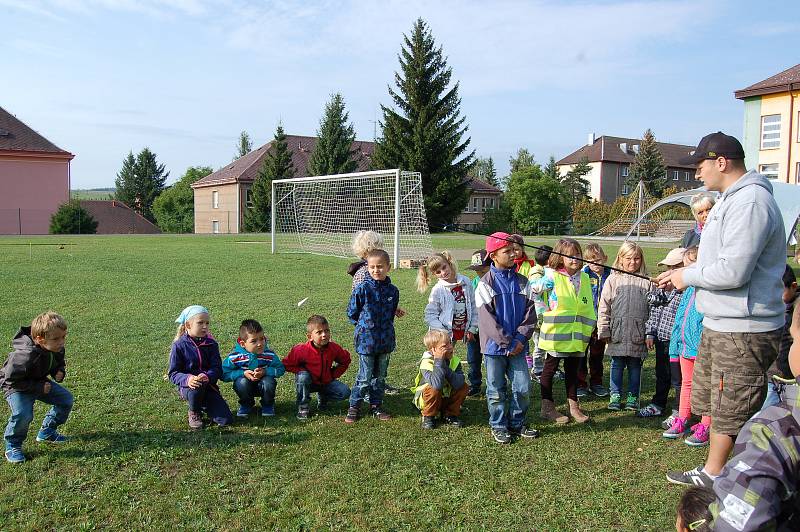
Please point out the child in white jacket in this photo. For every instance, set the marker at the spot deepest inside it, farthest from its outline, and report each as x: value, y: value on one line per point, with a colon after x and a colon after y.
x: 451, y: 305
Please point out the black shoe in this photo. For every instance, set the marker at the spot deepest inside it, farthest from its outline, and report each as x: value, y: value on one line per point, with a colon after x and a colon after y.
x: 302, y: 414
x: 693, y: 477
x: 428, y: 422
x: 388, y: 389
x: 524, y: 432
x: 501, y: 436
x: 453, y: 421
x: 474, y: 392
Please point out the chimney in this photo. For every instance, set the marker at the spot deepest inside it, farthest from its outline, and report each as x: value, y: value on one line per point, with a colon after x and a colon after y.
x: 590, y: 139
x: 113, y: 203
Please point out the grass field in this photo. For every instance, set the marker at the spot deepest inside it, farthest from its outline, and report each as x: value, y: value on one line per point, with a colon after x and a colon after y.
x: 132, y: 463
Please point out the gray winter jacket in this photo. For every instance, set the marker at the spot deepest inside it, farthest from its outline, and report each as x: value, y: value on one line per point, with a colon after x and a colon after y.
x: 741, y: 259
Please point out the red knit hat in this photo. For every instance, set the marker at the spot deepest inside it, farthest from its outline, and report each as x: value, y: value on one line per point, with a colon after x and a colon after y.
x: 496, y: 241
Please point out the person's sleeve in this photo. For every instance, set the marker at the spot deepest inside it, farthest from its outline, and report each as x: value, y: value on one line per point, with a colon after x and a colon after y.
x: 176, y: 365
x: 342, y: 360
x: 604, y: 311
x: 456, y: 377
x: 472, y: 326
x: 214, y: 370
x: 275, y: 368
x: 740, y: 251
x: 487, y: 317
x: 529, y: 320
x: 651, y: 326
x: 354, y: 307
x: 395, y: 300
x: 540, y: 287
x: 292, y: 362
x: 18, y: 375
x: 436, y: 377
x: 230, y: 372
x: 433, y: 310
x: 60, y: 364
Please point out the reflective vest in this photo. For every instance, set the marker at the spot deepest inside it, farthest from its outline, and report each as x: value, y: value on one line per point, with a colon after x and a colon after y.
x: 427, y: 364
x: 569, y: 327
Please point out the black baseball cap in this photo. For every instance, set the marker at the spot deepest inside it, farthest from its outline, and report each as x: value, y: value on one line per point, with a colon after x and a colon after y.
x: 715, y: 145
x: 480, y: 260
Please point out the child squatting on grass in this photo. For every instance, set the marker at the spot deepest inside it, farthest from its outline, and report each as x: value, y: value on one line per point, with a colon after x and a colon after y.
x: 253, y: 368
x: 318, y: 364
x: 37, y: 356
x: 195, y: 366
x: 440, y: 387
x: 372, y: 309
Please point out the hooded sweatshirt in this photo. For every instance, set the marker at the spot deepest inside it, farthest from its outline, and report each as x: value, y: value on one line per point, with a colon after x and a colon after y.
x: 741, y: 260
x: 441, y: 305
x: 28, y: 366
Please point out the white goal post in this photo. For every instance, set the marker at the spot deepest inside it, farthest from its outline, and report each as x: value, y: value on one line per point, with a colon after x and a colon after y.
x: 321, y: 214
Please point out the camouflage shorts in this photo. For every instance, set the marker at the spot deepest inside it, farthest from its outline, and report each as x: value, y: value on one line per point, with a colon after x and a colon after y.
x: 729, y: 382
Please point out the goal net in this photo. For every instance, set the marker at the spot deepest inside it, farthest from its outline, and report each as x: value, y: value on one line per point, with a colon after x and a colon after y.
x: 321, y: 214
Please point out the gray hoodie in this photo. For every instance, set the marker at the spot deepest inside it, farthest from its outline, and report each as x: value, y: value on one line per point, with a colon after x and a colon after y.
x: 741, y: 260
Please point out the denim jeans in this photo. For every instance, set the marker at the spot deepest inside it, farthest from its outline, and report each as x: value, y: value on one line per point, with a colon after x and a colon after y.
x: 21, y: 405
x: 333, y: 391
x: 263, y: 388
x: 371, y: 377
x: 663, y: 374
x: 507, y: 411
x: 474, y: 358
x: 634, y: 365
x: 207, y: 398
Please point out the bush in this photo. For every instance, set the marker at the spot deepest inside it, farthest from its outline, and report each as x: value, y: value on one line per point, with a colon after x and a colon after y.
x: 72, y: 219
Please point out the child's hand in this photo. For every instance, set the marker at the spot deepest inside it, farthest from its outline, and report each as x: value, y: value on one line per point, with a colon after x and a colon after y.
x: 202, y: 377
x: 250, y: 375
x: 259, y: 373
x: 59, y: 376
x: 46, y: 388
x: 469, y: 337
x: 193, y: 382
x: 399, y: 312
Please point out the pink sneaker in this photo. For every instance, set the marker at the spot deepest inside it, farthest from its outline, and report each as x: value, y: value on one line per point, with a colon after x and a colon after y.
x: 699, y: 438
x: 677, y: 430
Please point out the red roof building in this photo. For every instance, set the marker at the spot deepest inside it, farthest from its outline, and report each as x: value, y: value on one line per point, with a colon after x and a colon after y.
x: 115, y: 218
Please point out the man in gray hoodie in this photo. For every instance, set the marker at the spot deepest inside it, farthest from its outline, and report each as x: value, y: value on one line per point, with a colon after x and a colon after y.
x: 737, y: 275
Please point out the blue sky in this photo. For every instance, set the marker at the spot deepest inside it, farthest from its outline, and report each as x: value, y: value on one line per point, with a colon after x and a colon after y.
x: 184, y: 77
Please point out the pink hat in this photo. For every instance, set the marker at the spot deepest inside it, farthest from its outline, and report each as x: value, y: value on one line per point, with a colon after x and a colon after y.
x: 496, y: 241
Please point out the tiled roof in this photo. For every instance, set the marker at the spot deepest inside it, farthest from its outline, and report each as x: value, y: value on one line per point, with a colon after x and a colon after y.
x: 245, y: 169
x: 16, y: 136
x: 476, y: 185
x: 609, y: 149
x: 780, y: 82
x: 114, y: 217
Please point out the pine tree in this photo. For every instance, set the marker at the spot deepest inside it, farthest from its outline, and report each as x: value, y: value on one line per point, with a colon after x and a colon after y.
x: 425, y: 133
x: 244, y: 146
x: 140, y: 181
x: 485, y: 171
x: 551, y: 169
x: 277, y: 165
x: 575, y: 183
x: 523, y: 159
x: 173, y: 209
x: 72, y: 219
x: 648, y: 166
x: 333, y: 152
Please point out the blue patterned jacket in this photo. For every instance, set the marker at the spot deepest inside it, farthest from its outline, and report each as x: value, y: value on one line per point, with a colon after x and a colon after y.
x: 371, y: 310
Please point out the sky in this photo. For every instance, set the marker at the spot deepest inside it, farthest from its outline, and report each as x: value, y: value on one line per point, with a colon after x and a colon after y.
x: 101, y: 78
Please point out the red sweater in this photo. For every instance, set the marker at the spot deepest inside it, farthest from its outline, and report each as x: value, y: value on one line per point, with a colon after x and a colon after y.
x: 318, y: 362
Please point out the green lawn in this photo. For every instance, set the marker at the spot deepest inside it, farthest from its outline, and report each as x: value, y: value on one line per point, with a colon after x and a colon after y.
x: 132, y: 463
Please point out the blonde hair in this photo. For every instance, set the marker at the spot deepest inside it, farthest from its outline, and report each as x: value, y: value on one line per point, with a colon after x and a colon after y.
x: 691, y: 253
x: 566, y: 246
x: 699, y: 199
x: 364, y: 242
x: 594, y: 251
x: 435, y: 337
x: 44, y: 324
x: 434, y: 262
x: 182, y: 327
x: 629, y: 248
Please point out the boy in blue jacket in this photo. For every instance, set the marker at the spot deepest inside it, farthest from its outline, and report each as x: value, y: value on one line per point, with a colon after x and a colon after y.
x: 372, y: 309
x: 253, y: 369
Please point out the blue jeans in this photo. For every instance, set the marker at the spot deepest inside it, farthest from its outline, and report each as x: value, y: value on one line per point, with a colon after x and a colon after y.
x: 249, y: 390
x: 21, y: 405
x: 474, y: 358
x: 772, y: 396
x: 634, y: 365
x: 333, y: 391
x: 507, y: 411
x: 371, y: 377
x: 207, y: 398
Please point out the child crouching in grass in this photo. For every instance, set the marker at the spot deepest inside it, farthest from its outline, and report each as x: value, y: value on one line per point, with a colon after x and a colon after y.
x: 440, y: 387
x: 195, y: 366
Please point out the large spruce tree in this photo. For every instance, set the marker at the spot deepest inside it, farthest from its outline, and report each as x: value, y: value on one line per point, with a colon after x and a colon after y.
x: 244, y: 146
x: 333, y: 152
x: 140, y: 181
x: 648, y: 166
x: 277, y: 165
x: 424, y: 131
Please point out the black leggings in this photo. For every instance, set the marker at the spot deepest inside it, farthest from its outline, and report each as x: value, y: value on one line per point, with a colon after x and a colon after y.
x: 570, y: 376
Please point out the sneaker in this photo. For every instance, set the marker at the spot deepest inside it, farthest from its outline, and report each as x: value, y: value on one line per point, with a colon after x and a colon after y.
x: 353, y: 413
x: 583, y: 392
x: 243, y: 411
x: 195, y: 420
x: 51, y: 437
x: 599, y: 390
x: 651, y: 410
x: 302, y: 414
x: 632, y: 403
x: 379, y: 413
x: 428, y: 422
x: 614, y: 402
x: 558, y: 375
x: 676, y: 430
x: 474, y: 392
x: 267, y: 410
x: 536, y: 377
x: 14, y: 455
x: 524, y: 432
x: 391, y: 390
x: 501, y: 436
x: 693, y: 477
x: 699, y: 437
x: 453, y: 421
x: 667, y: 423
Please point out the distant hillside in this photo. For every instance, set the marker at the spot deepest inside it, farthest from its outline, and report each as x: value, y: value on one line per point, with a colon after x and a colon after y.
x: 93, y: 193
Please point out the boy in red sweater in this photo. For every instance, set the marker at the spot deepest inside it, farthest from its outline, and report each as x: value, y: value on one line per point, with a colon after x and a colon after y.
x: 318, y: 364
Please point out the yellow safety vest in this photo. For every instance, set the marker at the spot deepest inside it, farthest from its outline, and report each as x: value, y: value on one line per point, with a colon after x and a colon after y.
x: 569, y: 327
x: 427, y: 364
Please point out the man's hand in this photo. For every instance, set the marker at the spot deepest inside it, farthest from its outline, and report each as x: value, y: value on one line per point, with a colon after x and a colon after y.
x: 399, y: 312
x: 518, y: 347
x: 46, y: 388
x: 650, y: 343
x: 59, y: 376
x: 671, y: 279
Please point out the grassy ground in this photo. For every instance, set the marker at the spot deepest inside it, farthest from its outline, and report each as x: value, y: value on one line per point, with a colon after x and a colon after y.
x: 132, y: 463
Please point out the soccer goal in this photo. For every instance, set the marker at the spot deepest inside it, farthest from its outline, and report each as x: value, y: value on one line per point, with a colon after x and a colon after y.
x: 321, y: 214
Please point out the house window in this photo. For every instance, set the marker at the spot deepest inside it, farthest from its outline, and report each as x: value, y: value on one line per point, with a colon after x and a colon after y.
x: 248, y: 198
x: 215, y: 200
x: 491, y: 200
x: 770, y: 132
x: 675, y: 175
x: 474, y: 204
x: 625, y: 190
x: 624, y: 170
x: 686, y: 176
x: 483, y: 204
x: 769, y: 171
x: 215, y: 226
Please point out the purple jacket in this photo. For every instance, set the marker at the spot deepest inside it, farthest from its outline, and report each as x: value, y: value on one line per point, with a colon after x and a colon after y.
x: 193, y: 357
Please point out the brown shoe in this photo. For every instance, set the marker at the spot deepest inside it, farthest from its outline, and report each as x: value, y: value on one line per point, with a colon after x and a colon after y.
x: 549, y: 412
x: 575, y: 412
x: 195, y: 420
x: 379, y: 413
x: 353, y: 413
